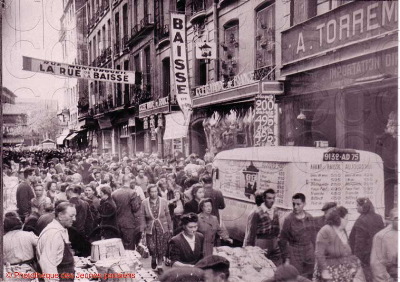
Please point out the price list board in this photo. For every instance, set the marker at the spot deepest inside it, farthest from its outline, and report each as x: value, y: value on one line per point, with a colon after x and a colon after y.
x: 265, y: 121
x: 241, y: 179
x: 342, y: 183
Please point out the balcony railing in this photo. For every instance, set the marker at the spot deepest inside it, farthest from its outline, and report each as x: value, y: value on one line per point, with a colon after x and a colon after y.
x: 125, y: 41
x: 139, y: 29
x: 139, y: 94
x: 162, y: 32
x: 265, y: 73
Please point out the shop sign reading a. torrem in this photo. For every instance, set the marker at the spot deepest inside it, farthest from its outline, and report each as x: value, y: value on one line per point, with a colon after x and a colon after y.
x: 76, y: 71
x: 348, y: 24
x: 236, y: 81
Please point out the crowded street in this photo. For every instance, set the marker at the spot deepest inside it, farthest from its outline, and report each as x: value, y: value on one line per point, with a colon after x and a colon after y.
x: 199, y: 141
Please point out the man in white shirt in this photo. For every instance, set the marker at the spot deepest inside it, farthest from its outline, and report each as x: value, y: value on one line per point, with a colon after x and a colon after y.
x: 384, y: 252
x: 192, y: 169
x: 54, y: 252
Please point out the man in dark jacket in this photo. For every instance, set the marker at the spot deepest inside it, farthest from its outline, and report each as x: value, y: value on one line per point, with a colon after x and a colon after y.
x: 361, y: 236
x: 79, y: 233
x: 128, y: 205
x: 25, y: 194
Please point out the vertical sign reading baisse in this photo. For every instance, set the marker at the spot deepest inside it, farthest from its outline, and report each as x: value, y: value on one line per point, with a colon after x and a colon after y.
x: 265, y: 121
x: 179, y: 64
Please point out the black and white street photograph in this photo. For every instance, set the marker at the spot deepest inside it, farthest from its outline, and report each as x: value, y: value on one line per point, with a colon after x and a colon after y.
x: 199, y: 140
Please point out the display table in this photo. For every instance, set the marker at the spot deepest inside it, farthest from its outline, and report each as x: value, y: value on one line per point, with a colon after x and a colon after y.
x: 247, y: 264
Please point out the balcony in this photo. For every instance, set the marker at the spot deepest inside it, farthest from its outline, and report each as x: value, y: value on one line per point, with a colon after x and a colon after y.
x: 197, y: 10
x: 139, y: 94
x: 140, y: 29
x: 162, y: 34
x: 265, y: 73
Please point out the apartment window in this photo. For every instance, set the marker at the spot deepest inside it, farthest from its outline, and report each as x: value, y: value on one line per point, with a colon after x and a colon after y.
x: 135, y: 13
x: 94, y: 48
x: 145, y: 8
x: 230, y: 50
x: 180, y: 6
x: 125, y: 20
x: 119, y: 91
x: 166, y: 77
x: 126, y: 85
x: 117, y: 36
x: 137, y: 63
x: 103, y: 31
x: 99, y: 43
x: 109, y: 32
x: 147, y: 65
x: 265, y: 37
x: 88, y: 11
x: 301, y: 10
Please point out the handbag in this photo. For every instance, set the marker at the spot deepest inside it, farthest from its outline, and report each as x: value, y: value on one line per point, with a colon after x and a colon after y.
x: 142, y: 249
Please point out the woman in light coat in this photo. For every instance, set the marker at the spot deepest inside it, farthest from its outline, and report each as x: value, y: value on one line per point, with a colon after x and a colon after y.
x: 156, y: 225
x: 210, y: 227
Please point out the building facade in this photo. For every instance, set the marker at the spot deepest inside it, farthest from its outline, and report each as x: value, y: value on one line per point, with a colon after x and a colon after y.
x: 74, y: 46
x: 339, y: 60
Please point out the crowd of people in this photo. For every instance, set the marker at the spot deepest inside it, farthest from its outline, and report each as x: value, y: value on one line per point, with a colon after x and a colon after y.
x: 57, y: 203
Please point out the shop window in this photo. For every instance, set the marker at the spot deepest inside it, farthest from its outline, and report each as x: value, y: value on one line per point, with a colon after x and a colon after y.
x: 230, y: 50
x: 265, y: 38
x: 307, y: 120
x: 166, y: 77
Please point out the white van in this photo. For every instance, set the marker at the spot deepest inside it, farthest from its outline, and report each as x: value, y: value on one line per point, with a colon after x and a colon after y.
x: 321, y: 174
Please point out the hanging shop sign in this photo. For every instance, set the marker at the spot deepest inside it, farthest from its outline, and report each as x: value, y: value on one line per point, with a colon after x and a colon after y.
x: 206, y: 50
x: 179, y: 64
x: 161, y: 105
x: 236, y: 81
x: 265, y: 121
x: 77, y: 71
x: 348, y: 24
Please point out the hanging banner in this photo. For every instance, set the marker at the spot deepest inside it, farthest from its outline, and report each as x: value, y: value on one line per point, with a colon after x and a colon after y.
x: 265, y: 121
x: 179, y: 64
x: 84, y: 72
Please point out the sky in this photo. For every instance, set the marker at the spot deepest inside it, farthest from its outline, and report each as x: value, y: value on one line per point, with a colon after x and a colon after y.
x: 31, y: 28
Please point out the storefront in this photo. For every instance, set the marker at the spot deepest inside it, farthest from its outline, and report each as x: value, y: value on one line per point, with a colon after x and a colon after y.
x: 224, y: 115
x: 152, y: 114
x: 341, y: 91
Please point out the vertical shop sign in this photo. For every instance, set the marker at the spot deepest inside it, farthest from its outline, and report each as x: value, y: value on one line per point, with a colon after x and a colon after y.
x: 179, y: 64
x: 265, y: 121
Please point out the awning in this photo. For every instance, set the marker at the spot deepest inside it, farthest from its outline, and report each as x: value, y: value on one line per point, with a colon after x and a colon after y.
x: 72, y: 136
x: 13, y: 140
x: 104, y: 122
x: 175, y: 126
x: 61, y: 138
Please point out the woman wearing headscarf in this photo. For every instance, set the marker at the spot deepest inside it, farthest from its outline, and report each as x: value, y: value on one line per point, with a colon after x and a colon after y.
x: 335, y: 261
x: 361, y: 236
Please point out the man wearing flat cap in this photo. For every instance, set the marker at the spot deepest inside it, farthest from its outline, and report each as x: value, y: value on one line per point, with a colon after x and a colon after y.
x: 216, y: 268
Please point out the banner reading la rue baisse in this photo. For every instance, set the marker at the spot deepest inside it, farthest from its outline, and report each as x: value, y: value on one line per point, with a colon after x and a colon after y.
x: 179, y: 64
x: 76, y: 71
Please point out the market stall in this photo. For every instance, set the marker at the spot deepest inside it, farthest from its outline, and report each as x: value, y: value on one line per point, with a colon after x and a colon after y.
x: 247, y: 264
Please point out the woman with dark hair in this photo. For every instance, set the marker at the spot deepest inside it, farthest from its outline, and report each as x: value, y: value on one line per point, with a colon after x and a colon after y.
x: 156, y: 225
x: 51, y: 189
x: 209, y: 226
x: 107, y: 209
x: 186, y: 248
x: 19, y: 246
x: 197, y: 196
x: 334, y: 258
x: 361, y: 236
